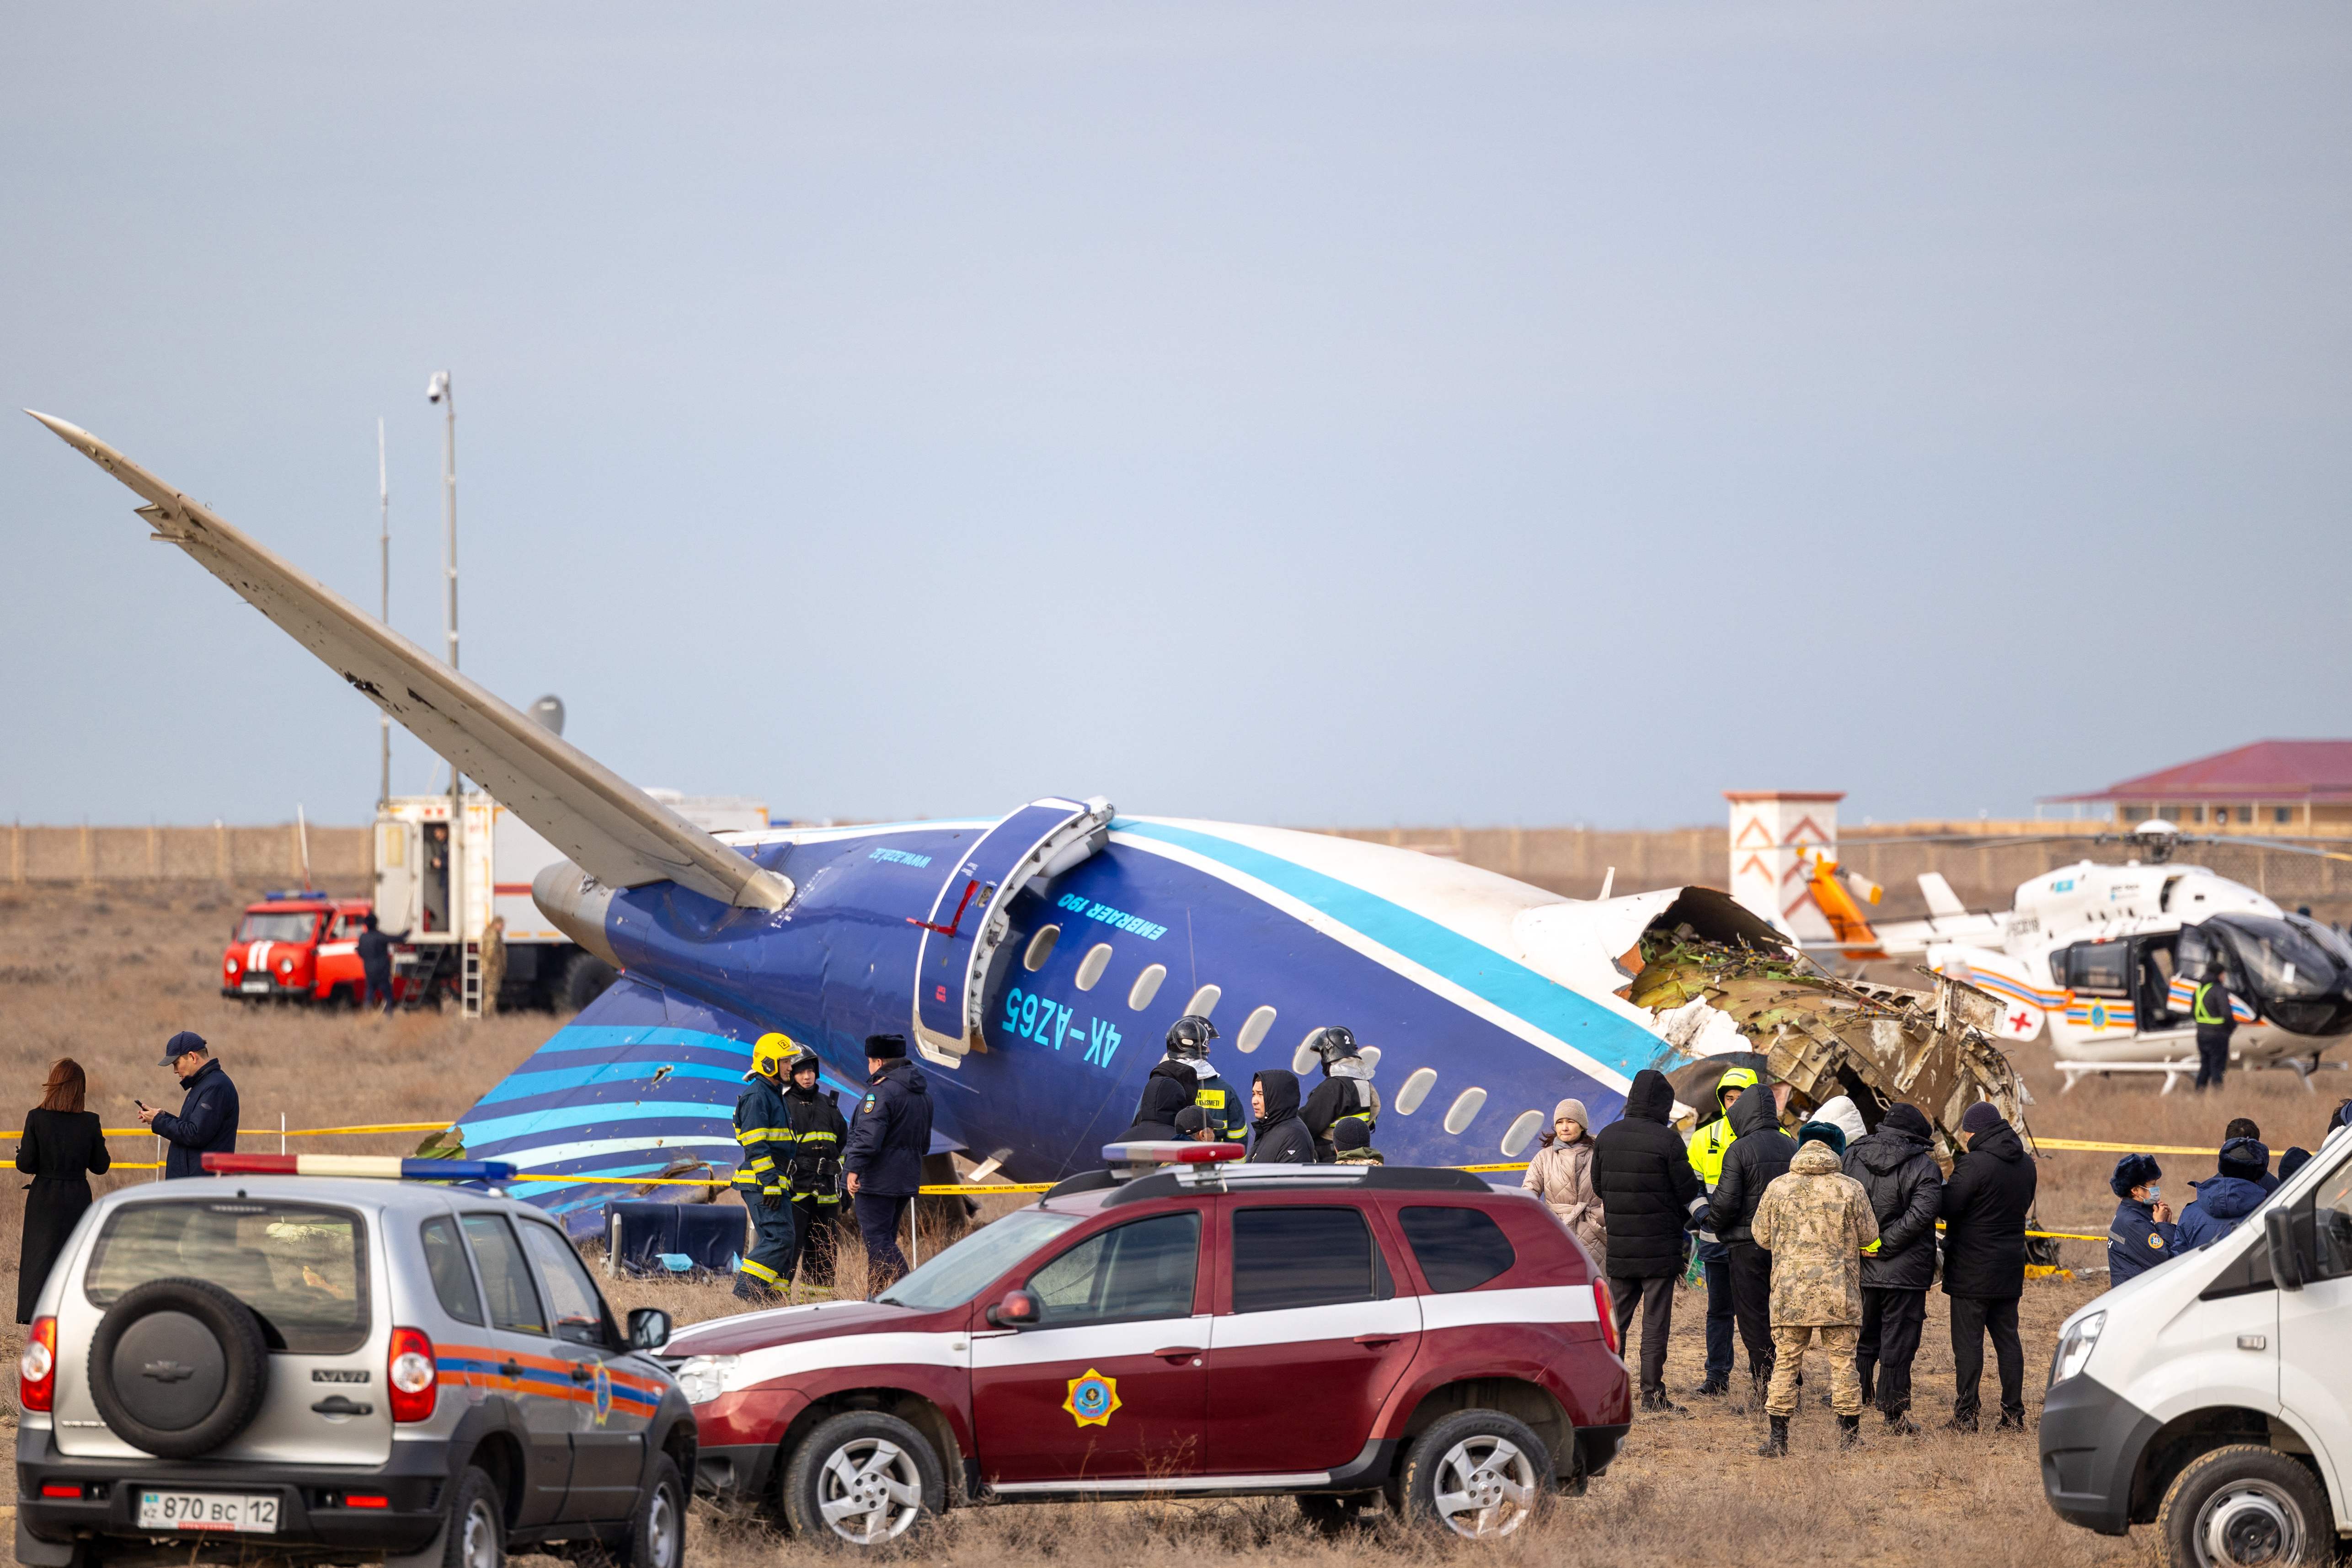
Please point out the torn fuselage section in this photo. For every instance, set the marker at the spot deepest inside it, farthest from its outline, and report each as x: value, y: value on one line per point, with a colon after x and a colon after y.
x: 1821, y: 1035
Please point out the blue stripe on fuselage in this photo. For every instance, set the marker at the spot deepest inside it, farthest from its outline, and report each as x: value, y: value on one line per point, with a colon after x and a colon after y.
x: 1567, y: 1015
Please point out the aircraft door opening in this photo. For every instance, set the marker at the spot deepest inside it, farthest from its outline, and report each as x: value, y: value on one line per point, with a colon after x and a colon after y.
x: 968, y: 919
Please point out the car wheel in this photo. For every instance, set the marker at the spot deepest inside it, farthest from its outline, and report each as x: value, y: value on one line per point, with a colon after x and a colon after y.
x: 1478, y: 1474
x: 476, y: 1535
x: 178, y: 1367
x: 2245, y: 1506
x: 861, y: 1478
x: 657, y: 1537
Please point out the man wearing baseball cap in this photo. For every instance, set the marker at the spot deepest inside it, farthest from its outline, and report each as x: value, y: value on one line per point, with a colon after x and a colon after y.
x: 207, y: 1123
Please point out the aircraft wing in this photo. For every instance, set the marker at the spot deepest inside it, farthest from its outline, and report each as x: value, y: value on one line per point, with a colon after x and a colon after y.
x: 611, y: 828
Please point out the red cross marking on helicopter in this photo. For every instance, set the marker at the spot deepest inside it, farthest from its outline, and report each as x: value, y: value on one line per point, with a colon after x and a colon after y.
x: 2019, y: 1020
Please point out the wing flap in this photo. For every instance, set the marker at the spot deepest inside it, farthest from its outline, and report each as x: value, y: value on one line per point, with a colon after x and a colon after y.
x: 611, y: 829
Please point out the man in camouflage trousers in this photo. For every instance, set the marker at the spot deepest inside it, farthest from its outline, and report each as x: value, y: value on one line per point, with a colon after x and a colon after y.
x: 1815, y: 1222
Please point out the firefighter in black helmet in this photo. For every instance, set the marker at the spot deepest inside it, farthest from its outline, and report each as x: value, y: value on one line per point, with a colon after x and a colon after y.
x: 1174, y: 1082
x: 1345, y: 1093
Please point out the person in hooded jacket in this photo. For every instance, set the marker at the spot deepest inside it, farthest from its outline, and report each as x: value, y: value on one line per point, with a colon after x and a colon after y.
x: 884, y: 1158
x: 2225, y: 1200
x: 1649, y: 1195
x: 1351, y: 1139
x: 1277, y: 1136
x: 2246, y: 1126
x: 2295, y: 1158
x: 1560, y: 1175
x: 1896, y: 1168
x: 1759, y: 1155
x: 1346, y: 1090
x: 1816, y: 1221
x: 1984, y: 1208
x: 2142, y: 1234
x: 1174, y: 1082
x: 1708, y: 1147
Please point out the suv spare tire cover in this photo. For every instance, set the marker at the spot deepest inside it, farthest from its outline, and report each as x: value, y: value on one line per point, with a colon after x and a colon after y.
x: 178, y: 1367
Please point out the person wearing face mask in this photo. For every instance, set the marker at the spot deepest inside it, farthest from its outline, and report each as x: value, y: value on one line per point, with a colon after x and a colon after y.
x: 2142, y: 1235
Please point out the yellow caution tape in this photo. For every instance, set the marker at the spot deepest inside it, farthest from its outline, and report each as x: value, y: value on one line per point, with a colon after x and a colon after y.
x: 2079, y: 1145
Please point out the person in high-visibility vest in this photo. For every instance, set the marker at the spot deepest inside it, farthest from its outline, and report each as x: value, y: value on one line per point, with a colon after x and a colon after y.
x: 2215, y: 1024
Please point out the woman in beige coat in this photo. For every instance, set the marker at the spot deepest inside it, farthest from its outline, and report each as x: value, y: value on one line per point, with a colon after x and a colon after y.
x: 1562, y: 1175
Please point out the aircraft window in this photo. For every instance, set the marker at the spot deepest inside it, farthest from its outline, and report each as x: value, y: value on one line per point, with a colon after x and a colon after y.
x: 1416, y: 1090
x: 1204, y: 1001
x: 1041, y: 948
x: 1146, y: 986
x: 1091, y: 967
x: 1466, y: 1106
x: 1372, y: 1054
x: 1253, y: 1030
x: 1522, y: 1134
x: 1303, y: 1059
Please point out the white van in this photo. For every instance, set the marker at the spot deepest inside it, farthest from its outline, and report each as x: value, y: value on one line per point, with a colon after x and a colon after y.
x: 2212, y: 1395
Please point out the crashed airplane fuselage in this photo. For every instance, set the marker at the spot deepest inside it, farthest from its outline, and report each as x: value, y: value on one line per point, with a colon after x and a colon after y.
x: 1035, y: 960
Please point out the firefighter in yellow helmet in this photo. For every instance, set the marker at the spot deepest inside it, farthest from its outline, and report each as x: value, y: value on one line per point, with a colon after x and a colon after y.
x: 1708, y: 1147
x: 764, y: 1127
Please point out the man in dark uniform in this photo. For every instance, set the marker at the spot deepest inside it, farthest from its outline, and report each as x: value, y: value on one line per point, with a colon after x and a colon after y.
x: 814, y: 1174
x: 1346, y: 1090
x: 207, y: 1123
x: 888, y: 1141
x: 763, y: 1127
x: 375, y: 951
x: 2215, y: 1024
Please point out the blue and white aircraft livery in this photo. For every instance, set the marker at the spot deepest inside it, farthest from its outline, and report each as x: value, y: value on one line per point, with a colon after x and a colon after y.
x: 1033, y: 962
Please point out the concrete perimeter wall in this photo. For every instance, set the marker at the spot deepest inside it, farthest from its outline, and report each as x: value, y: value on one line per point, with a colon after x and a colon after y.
x: 1567, y: 860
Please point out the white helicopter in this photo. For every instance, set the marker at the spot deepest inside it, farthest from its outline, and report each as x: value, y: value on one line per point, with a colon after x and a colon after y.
x: 2108, y: 958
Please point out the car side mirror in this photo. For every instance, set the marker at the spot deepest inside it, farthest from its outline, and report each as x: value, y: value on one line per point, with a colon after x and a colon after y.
x: 2286, y: 1267
x: 648, y: 1328
x: 1019, y: 1309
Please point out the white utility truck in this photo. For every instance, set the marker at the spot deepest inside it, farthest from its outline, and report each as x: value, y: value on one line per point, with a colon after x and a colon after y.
x: 2212, y: 1397
x: 497, y: 855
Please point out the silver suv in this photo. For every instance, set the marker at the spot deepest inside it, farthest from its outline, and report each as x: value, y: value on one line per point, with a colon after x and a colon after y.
x: 338, y: 1370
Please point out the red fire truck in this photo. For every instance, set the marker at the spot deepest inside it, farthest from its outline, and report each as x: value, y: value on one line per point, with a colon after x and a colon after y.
x: 298, y: 945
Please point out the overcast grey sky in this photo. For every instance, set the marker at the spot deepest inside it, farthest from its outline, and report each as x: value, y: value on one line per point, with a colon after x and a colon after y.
x: 1286, y: 412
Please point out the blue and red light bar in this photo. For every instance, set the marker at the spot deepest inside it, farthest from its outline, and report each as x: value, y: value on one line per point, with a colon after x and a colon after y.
x: 1177, y: 1152
x: 383, y: 1167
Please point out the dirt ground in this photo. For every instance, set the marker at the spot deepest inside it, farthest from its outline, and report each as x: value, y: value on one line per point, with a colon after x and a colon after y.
x: 106, y: 976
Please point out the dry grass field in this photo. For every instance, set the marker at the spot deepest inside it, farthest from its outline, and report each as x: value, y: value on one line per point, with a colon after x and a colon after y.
x: 107, y: 976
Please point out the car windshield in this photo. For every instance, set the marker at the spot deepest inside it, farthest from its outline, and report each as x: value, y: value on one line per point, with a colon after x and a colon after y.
x: 957, y: 1275
x: 302, y: 1270
x: 2280, y: 960
x: 277, y: 925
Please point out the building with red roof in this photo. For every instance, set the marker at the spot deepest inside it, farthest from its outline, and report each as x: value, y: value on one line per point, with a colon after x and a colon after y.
x: 2271, y: 787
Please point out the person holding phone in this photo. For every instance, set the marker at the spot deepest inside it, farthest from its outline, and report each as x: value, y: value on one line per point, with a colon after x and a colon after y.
x: 61, y: 1149
x: 206, y: 1123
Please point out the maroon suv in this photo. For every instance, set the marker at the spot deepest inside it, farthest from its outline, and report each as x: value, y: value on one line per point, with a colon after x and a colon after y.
x: 1340, y: 1332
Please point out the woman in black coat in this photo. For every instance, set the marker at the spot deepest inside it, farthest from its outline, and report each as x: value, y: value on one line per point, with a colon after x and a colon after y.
x: 61, y: 1149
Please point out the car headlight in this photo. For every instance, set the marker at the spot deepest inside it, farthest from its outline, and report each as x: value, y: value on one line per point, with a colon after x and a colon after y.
x: 2074, y: 1347
x: 703, y: 1378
